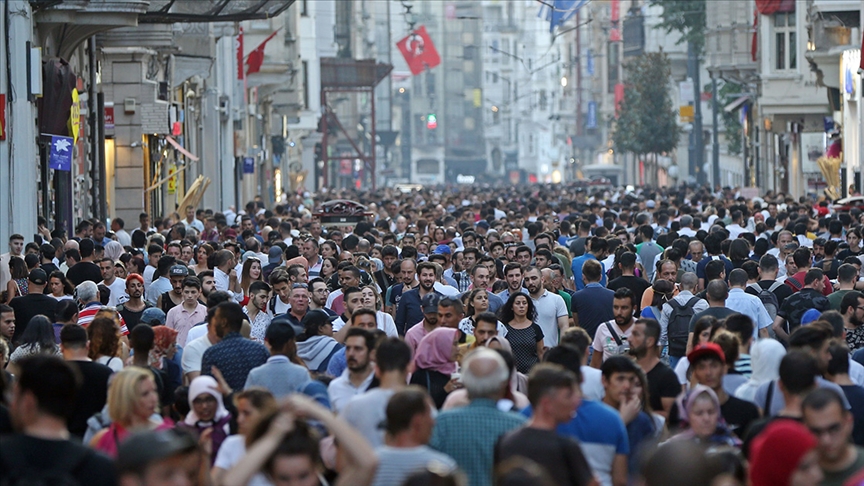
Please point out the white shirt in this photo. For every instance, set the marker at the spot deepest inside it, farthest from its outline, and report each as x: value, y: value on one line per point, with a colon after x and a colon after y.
x: 592, y: 384
x: 549, y: 308
x: 446, y: 290
x: 118, y: 292
x: 148, y: 276
x: 196, y: 223
x: 231, y: 452
x: 383, y: 320
x: 735, y: 230
x: 341, y: 390
x: 123, y: 237
x: 196, y: 332
x: 157, y: 288
x: 193, y: 352
x: 221, y: 281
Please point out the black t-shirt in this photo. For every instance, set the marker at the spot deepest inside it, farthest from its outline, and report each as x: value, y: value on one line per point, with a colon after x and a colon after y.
x: 738, y: 414
x: 781, y: 292
x: 662, y: 383
x: 756, y: 428
x: 794, y: 307
x: 91, y: 396
x: 30, y: 456
x: 84, y: 271
x: 718, y: 312
x: 49, y: 267
x: 132, y: 318
x: 637, y: 285
x: 434, y: 382
x: 28, y: 306
x: 560, y: 456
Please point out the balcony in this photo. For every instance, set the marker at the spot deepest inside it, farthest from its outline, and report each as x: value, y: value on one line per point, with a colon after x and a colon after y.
x: 831, y: 33
x: 728, y: 41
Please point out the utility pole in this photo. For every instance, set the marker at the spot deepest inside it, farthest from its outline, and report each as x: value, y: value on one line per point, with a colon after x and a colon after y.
x: 697, y: 146
x: 715, y: 133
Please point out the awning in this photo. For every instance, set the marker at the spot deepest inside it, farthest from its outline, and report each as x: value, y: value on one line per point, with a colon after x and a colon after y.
x: 182, y: 150
x: 735, y: 104
x: 170, y: 11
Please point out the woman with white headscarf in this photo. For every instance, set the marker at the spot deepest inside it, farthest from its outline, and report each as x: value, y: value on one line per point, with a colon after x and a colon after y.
x: 765, y: 357
x: 113, y: 250
x: 207, y: 413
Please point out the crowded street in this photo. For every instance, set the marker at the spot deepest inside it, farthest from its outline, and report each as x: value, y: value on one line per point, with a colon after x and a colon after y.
x: 431, y: 243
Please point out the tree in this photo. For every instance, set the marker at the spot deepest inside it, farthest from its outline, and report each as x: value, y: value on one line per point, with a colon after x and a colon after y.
x: 731, y: 122
x: 687, y: 17
x: 647, y: 121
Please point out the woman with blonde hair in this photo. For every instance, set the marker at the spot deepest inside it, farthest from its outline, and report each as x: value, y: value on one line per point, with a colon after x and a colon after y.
x: 105, y: 342
x: 132, y: 404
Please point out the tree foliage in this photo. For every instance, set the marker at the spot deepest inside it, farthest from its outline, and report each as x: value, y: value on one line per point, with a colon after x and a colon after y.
x: 686, y: 17
x: 647, y: 121
x: 731, y: 124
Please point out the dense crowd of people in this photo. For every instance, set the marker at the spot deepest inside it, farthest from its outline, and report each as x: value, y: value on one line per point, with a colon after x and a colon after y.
x: 541, y: 335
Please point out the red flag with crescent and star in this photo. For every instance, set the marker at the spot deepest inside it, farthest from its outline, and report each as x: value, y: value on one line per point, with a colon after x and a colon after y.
x: 419, y: 51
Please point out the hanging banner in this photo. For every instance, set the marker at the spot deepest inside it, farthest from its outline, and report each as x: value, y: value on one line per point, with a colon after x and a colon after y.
x: 419, y: 51
x: 238, y: 48
x: 60, y: 153
x: 591, y: 121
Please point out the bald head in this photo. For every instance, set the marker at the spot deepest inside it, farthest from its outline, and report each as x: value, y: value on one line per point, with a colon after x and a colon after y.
x: 717, y: 291
x: 70, y: 245
x: 485, y: 374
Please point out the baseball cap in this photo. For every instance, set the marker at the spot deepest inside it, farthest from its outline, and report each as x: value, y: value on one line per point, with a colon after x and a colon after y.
x: 650, y: 203
x: 284, y: 321
x: 810, y: 316
x: 274, y: 255
x: 483, y: 224
x: 317, y: 317
x: 178, y: 271
x: 430, y: 303
x: 706, y: 349
x: 442, y: 250
x: 153, y: 316
x: 38, y: 276
x: 139, y: 450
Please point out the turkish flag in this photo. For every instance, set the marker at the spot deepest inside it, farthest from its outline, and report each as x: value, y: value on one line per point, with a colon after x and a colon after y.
x: 419, y: 51
x: 256, y: 57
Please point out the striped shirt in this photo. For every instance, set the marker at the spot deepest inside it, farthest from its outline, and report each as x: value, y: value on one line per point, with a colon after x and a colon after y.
x: 86, y: 315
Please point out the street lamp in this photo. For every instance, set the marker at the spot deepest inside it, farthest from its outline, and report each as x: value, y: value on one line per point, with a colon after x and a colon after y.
x: 563, y: 81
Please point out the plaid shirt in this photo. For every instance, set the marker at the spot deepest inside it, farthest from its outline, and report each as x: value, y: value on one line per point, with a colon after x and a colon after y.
x: 468, y: 434
x: 235, y: 356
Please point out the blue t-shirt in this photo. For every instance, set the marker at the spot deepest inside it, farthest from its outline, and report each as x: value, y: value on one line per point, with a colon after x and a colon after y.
x: 576, y: 266
x: 601, y: 434
x: 640, y: 430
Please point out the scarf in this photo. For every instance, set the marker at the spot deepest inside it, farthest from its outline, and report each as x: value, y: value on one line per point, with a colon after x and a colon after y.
x: 722, y: 435
x: 201, y: 385
x: 435, y: 351
x: 163, y: 338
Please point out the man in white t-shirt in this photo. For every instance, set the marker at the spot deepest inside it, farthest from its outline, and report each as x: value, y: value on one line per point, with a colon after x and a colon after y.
x: 611, y: 337
x: 194, y: 351
x: 552, y: 316
x: 117, y: 286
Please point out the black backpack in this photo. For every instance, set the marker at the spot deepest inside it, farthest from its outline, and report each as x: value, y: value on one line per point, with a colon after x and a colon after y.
x: 678, y: 328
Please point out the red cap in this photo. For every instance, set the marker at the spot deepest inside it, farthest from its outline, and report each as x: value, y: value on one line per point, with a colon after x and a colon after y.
x: 707, y: 348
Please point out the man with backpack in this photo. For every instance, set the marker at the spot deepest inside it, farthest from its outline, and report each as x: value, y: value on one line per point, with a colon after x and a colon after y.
x: 676, y: 315
x: 771, y: 292
x: 749, y: 305
x: 41, y: 452
x: 810, y: 297
x: 804, y: 260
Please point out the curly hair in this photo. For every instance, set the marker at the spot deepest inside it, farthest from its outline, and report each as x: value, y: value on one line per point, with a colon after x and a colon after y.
x: 104, y: 337
x: 505, y: 313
